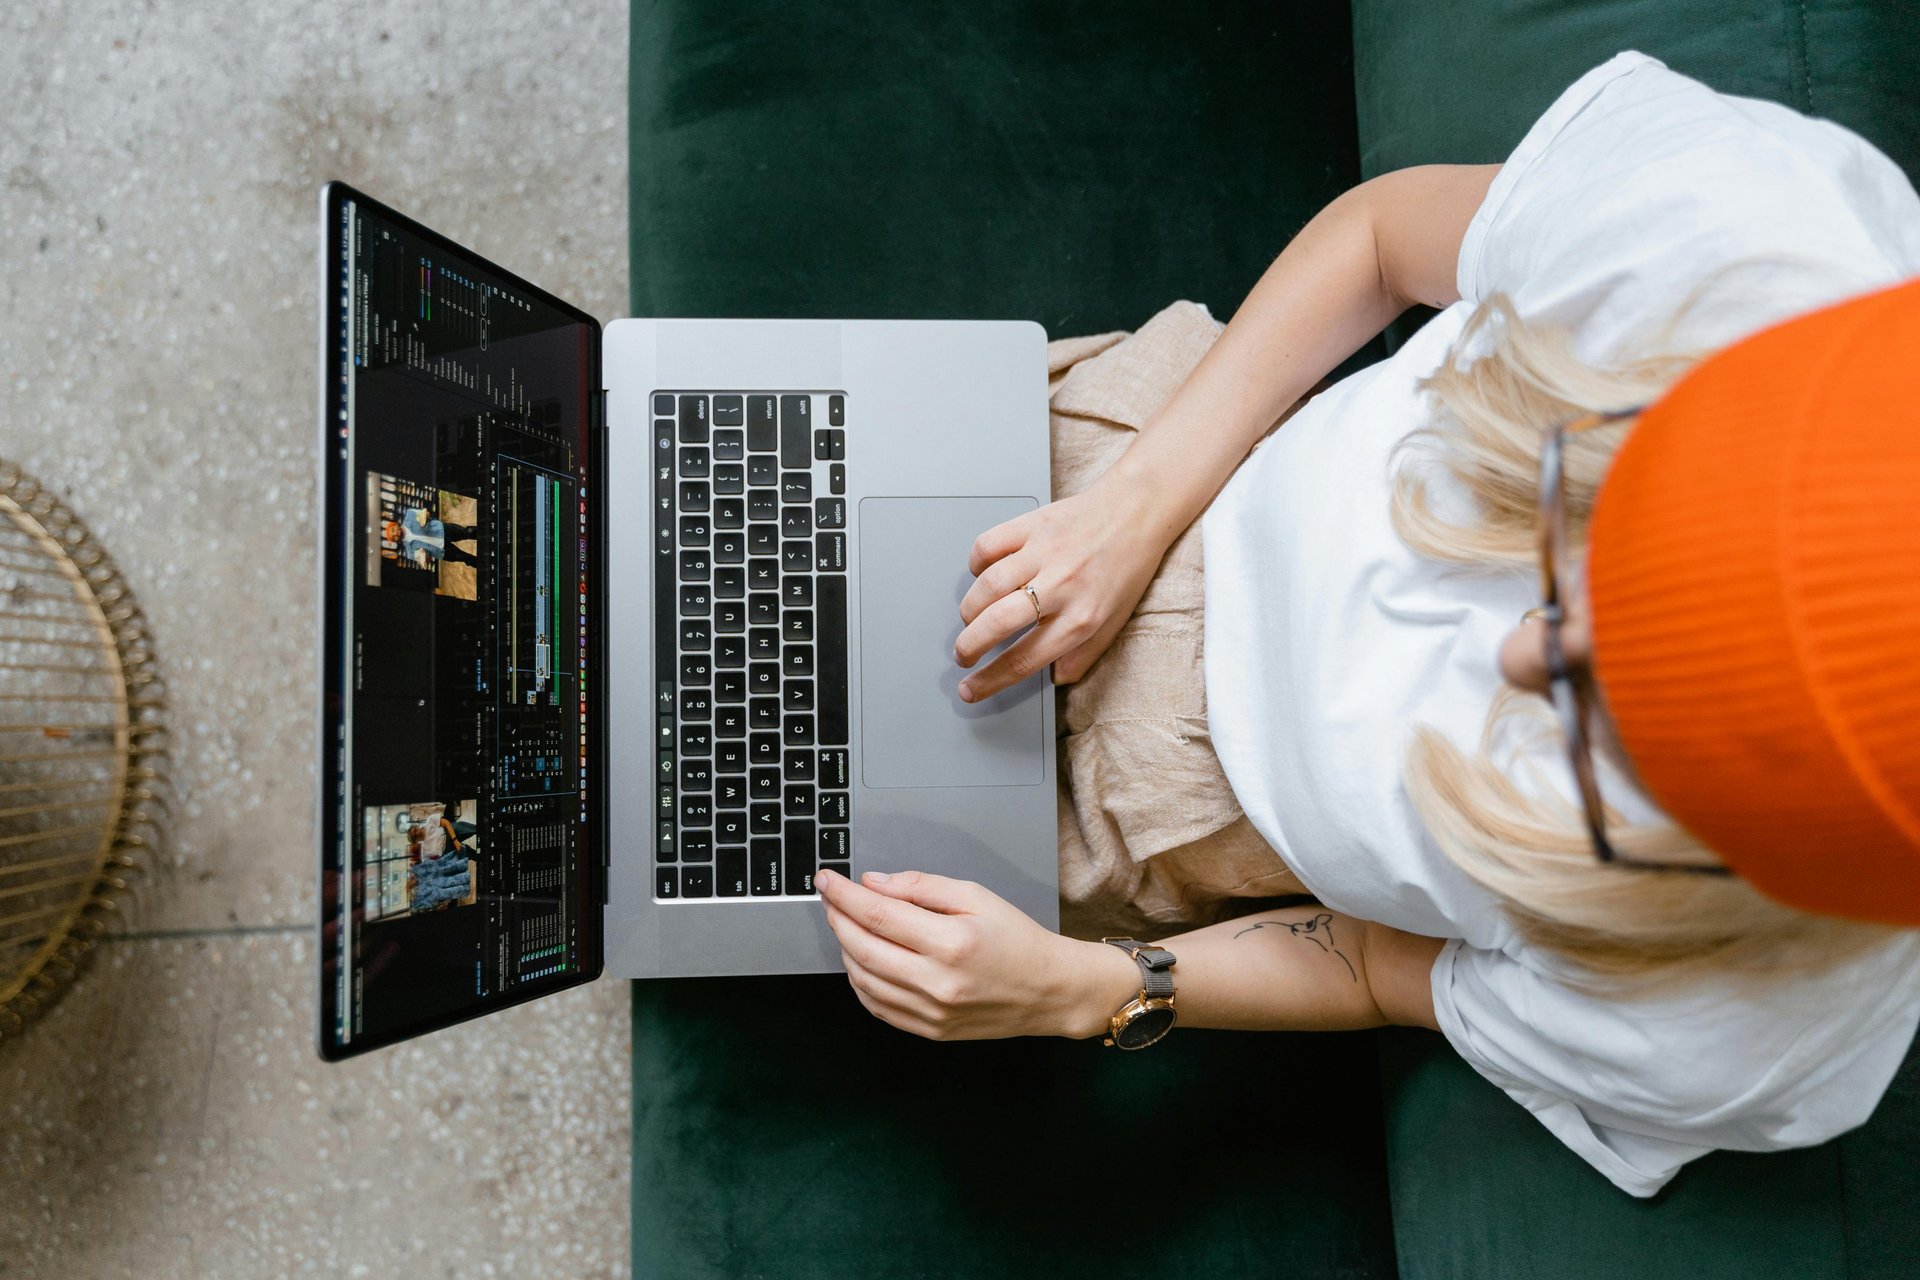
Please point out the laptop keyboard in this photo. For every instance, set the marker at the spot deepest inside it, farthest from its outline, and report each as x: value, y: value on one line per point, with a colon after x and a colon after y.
x: 750, y: 642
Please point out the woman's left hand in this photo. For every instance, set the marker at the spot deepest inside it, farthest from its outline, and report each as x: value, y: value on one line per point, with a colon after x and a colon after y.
x: 951, y: 960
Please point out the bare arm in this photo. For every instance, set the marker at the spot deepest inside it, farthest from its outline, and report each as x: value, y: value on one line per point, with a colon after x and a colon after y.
x: 1295, y: 969
x: 1360, y: 262
x: 1371, y: 254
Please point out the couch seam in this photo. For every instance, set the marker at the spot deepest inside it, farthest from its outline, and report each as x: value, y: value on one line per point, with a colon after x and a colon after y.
x: 1806, y: 61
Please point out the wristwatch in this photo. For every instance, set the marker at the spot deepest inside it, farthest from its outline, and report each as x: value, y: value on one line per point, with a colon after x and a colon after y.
x: 1147, y: 1017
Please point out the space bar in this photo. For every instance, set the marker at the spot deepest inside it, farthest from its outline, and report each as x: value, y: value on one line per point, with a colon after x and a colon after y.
x: 830, y: 601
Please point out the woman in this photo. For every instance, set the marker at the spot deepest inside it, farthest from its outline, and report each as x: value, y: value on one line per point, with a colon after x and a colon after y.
x: 1490, y: 865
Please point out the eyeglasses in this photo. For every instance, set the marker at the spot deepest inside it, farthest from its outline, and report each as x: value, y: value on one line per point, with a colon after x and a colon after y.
x: 1571, y: 689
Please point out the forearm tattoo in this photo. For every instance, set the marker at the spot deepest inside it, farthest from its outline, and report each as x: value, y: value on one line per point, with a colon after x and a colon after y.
x: 1318, y: 931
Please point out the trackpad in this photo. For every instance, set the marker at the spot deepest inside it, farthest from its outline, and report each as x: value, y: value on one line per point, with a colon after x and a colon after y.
x: 914, y: 730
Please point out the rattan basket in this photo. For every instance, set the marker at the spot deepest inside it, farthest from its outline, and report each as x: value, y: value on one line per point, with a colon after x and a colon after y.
x: 82, y: 745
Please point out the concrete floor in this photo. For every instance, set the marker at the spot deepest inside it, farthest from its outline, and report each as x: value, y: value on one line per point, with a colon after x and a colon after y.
x: 157, y: 222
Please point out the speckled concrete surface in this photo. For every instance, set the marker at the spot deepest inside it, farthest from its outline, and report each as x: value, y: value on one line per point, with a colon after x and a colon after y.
x: 157, y: 178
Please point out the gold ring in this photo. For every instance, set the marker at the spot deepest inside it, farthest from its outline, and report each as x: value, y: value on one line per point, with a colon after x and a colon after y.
x: 1535, y: 612
x: 1034, y: 600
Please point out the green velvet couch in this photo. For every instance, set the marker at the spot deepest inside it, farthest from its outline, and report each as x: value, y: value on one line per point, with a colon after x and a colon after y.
x: 1082, y: 165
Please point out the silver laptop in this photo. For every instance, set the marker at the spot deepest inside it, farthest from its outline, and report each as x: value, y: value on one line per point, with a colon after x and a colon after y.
x: 628, y: 632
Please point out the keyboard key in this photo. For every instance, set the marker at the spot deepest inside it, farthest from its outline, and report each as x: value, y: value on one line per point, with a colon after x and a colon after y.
x: 666, y: 882
x: 799, y: 802
x: 763, y: 868
x: 729, y: 757
x: 730, y: 722
x: 763, y: 575
x: 821, y: 445
x: 763, y: 748
x: 763, y: 678
x: 836, y: 411
x: 763, y: 645
x: 693, y: 566
x: 695, y: 637
x: 798, y: 766
x: 763, y: 819
x: 696, y: 846
x: 763, y: 505
x: 695, y: 704
x: 796, y: 660
x: 693, y: 464
x: 763, y: 784
x: 729, y: 652
x: 666, y: 843
x: 832, y: 647
x: 838, y: 868
x: 729, y: 828
x: 693, y: 419
x: 837, y: 446
x: 730, y: 547
x: 800, y: 847
x: 796, y: 625
x: 695, y: 668
x: 795, y: 522
x: 763, y: 427
x: 764, y: 713
x: 729, y: 513
x: 694, y: 496
x: 833, y: 806
x: 833, y: 844
x: 729, y: 583
x: 695, y: 811
x: 694, y: 531
x: 695, y: 602
x: 729, y: 797
x: 695, y: 740
x: 797, y: 593
x: 696, y: 775
x: 796, y: 486
x: 797, y: 696
x: 662, y: 404
x: 763, y: 609
x: 796, y: 557
x: 763, y: 471
x: 728, y: 411
x: 729, y: 477
x: 837, y: 478
x: 729, y: 617
x: 796, y: 424
x: 830, y: 513
x: 830, y: 552
x: 730, y: 873
x: 797, y: 731
x: 763, y: 540
x: 696, y: 882
x: 730, y: 686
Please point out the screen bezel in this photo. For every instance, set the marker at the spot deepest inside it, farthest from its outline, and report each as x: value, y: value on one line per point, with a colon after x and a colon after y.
x: 335, y: 573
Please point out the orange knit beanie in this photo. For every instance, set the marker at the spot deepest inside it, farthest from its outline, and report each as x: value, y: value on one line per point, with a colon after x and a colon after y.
x: 1754, y: 573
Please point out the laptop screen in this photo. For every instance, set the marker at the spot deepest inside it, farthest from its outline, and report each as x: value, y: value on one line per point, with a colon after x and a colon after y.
x: 460, y: 869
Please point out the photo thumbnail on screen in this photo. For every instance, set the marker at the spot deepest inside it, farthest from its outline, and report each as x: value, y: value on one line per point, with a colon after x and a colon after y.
x: 421, y: 857
x: 421, y: 537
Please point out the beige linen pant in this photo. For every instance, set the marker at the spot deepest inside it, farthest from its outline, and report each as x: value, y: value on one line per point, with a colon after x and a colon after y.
x: 1151, y: 838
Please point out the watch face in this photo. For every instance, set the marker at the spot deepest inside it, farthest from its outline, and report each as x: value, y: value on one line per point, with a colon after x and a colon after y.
x: 1145, y: 1029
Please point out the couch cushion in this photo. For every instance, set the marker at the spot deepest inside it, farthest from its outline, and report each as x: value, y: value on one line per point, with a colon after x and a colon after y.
x: 1460, y: 81
x: 1079, y: 164
x: 779, y: 1130
x: 1480, y: 1188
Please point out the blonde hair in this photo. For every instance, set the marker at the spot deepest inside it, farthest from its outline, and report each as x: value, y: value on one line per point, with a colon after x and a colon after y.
x: 1504, y: 385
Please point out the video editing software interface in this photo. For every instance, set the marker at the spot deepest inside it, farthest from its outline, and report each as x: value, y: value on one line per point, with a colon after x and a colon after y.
x: 463, y: 425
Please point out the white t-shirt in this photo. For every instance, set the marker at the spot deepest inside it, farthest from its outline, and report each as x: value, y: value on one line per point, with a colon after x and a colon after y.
x: 1329, y: 641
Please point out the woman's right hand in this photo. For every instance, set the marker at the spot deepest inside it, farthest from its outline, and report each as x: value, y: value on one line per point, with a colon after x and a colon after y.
x: 1089, y: 559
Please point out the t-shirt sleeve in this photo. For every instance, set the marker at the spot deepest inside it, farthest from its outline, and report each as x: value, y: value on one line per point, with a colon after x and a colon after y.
x: 1641, y: 192
x: 1637, y: 1087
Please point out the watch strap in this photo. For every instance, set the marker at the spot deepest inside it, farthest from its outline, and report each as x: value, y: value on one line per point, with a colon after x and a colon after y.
x: 1156, y: 966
